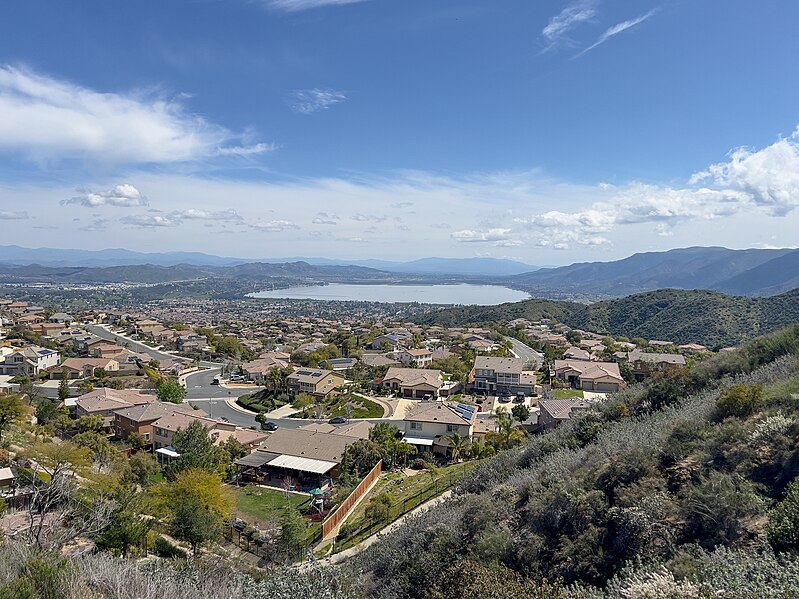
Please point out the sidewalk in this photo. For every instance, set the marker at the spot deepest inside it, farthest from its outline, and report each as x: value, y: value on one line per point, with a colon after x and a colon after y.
x: 337, y: 558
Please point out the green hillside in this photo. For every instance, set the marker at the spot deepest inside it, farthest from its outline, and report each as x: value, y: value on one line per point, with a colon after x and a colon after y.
x: 684, y: 487
x: 705, y: 317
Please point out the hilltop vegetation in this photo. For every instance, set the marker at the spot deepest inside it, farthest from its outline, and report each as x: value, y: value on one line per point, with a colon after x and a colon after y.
x: 684, y: 487
x: 705, y: 317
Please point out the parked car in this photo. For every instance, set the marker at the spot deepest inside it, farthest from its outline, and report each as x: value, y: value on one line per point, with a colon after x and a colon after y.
x: 504, y: 399
x: 519, y: 397
x: 337, y: 420
x: 269, y: 426
x: 216, y: 381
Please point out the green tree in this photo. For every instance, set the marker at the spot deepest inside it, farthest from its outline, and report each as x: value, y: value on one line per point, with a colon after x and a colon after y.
x: 170, y: 390
x: 63, y: 386
x: 360, y: 457
x: 90, y: 424
x: 458, y: 443
x: 520, y: 412
x: 196, y: 449
x: 293, y: 529
x: 46, y: 411
x: 127, y: 528
x: 136, y: 440
x: 11, y: 410
x: 197, y: 504
x: 142, y: 465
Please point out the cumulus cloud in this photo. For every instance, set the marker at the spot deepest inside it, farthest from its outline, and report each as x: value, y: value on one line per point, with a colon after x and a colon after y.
x: 323, y: 218
x: 298, y: 5
x: 372, y: 218
x: 472, y: 236
x: 274, y: 226
x: 149, y: 221
x: 124, y: 196
x: 617, y: 29
x: 770, y: 177
x: 308, y: 101
x: 47, y: 118
x: 13, y: 215
x: 567, y: 19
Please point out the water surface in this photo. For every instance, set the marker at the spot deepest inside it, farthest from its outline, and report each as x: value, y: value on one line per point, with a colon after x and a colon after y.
x: 465, y: 294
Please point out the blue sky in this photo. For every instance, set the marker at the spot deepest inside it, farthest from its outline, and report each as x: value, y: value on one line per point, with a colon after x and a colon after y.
x: 544, y: 131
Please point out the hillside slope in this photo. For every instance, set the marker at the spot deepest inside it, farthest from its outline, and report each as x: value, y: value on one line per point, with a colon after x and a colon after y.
x: 684, y: 487
x: 705, y: 317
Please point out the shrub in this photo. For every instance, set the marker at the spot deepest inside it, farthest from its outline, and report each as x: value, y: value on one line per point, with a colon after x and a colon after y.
x: 163, y: 548
x: 419, y: 464
x: 739, y: 401
x: 783, y: 528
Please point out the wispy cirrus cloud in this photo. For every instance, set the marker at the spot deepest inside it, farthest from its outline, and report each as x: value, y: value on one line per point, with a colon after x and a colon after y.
x: 308, y: 101
x: 274, y: 226
x: 616, y: 30
x: 299, y: 5
x: 124, y: 195
x: 51, y: 119
x: 566, y: 20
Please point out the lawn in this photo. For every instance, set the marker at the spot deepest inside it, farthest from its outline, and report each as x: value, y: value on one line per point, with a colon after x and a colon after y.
x: 258, y: 503
x: 568, y: 393
x: 361, y: 407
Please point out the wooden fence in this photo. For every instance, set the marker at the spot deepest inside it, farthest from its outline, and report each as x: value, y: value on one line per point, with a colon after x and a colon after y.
x: 348, y: 504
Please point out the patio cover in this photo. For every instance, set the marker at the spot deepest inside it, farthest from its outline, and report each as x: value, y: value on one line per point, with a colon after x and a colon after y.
x: 302, y: 464
x: 418, y: 441
x: 256, y: 459
x: 168, y: 452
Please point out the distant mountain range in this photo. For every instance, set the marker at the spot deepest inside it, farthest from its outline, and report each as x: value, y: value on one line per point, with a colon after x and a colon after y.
x: 52, y: 257
x: 751, y: 272
x: 736, y: 272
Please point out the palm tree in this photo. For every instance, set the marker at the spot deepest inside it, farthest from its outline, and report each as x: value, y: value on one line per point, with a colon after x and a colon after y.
x: 477, y: 450
x: 458, y: 443
x: 404, y: 450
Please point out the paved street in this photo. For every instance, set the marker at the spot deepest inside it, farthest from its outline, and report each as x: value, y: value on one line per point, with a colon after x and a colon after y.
x: 524, y: 351
x: 136, y: 346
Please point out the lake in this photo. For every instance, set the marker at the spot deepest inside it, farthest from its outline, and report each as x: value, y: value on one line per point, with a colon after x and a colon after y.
x: 480, y: 295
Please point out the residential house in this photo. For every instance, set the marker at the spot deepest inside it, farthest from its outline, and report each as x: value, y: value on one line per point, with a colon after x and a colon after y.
x: 140, y: 418
x: 645, y: 364
x: 108, y: 350
x: 556, y: 411
x: 341, y: 364
x: 590, y: 376
x: 492, y: 375
x: 302, y: 458
x: 376, y: 360
x: 420, y: 358
x: 78, y: 368
x: 29, y: 361
x: 258, y: 370
x: 105, y: 401
x: 414, y: 383
x: 576, y: 353
x: 428, y: 424
x: 314, y: 381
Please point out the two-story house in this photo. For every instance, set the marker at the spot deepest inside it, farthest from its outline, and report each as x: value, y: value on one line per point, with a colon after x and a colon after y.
x: 105, y: 401
x: 29, y: 361
x: 492, y: 375
x: 429, y: 424
x: 420, y: 358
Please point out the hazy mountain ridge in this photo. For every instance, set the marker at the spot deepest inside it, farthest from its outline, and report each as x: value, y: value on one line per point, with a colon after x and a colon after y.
x: 713, y: 268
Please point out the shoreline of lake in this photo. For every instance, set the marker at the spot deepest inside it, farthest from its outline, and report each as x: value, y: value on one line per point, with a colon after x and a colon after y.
x: 452, y: 294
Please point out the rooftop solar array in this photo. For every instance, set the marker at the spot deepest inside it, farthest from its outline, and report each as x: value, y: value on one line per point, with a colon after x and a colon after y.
x: 464, y: 411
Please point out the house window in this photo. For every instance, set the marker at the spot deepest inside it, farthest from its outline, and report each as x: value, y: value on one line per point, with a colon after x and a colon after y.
x: 146, y: 436
x: 416, y: 426
x: 452, y: 428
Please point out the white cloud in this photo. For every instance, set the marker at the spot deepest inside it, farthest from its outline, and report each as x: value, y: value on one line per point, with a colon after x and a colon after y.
x: 372, y: 218
x: 323, y: 218
x: 617, y: 29
x: 298, y: 5
x: 308, y: 101
x: 149, y: 221
x: 769, y: 176
x: 260, y: 148
x: 471, y: 236
x: 124, y: 195
x: 274, y: 226
x: 229, y: 215
x: 13, y: 215
x: 567, y: 19
x: 50, y: 119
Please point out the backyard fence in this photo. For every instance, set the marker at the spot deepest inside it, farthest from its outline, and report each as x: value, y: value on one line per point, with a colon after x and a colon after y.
x: 369, y: 526
x: 348, y: 504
